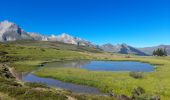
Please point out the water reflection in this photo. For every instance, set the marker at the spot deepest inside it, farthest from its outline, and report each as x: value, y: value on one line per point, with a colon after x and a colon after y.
x: 104, y: 65
x: 59, y: 84
x: 73, y: 64
x: 89, y: 65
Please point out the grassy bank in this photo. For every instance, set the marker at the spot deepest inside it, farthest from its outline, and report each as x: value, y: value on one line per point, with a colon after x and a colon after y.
x: 5, y: 97
x: 10, y: 89
x: 25, y: 58
x: 154, y: 83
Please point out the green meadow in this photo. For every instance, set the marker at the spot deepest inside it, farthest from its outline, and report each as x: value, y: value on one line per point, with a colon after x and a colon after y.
x: 156, y: 82
x: 26, y: 57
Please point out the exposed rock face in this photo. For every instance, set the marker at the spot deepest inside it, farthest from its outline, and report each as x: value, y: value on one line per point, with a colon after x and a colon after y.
x: 122, y: 49
x: 66, y: 38
x: 38, y: 37
x: 4, y: 72
x: 108, y: 47
x: 11, y: 32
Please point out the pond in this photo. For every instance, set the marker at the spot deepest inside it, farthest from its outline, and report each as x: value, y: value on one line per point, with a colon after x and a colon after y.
x: 59, y: 84
x: 89, y: 65
x: 104, y: 65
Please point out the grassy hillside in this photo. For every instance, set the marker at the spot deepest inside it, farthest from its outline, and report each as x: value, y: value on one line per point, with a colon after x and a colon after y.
x: 28, y: 55
x: 25, y: 57
x: 56, y: 45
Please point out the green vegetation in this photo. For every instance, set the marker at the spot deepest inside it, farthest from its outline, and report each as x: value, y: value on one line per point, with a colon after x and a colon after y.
x: 28, y: 56
x: 160, y: 52
x: 25, y: 58
x: 11, y: 89
x: 139, y: 94
x: 154, y: 83
x: 5, y: 97
x: 55, y: 45
x: 22, y: 66
x: 19, y: 92
x: 36, y: 85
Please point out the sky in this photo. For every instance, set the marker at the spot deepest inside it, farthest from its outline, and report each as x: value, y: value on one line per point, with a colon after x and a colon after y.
x: 139, y: 23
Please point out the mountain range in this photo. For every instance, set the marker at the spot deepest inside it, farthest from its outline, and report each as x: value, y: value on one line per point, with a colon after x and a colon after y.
x: 122, y: 49
x: 10, y: 31
x: 149, y: 50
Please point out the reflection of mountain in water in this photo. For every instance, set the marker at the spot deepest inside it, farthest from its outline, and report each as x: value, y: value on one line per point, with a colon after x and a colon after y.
x: 73, y: 64
x: 102, y: 65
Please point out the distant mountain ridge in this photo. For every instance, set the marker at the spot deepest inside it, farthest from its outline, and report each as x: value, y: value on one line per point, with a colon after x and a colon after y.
x: 149, y: 50
x: 10, y: 31
x: 122, y: 49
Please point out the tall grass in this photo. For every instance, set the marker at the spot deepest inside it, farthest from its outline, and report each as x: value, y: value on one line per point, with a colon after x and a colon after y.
x: 155, y: 83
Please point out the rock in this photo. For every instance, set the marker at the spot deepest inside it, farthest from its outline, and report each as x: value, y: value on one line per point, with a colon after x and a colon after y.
x: 4, y: 72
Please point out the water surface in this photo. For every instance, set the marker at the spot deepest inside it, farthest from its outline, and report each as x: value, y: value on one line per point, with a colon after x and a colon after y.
x: 59, y: 84
x: 89, y: 65
x: 104, y: 65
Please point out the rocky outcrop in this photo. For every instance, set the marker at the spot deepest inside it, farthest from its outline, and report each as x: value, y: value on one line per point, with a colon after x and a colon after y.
x: 12, y: 32
x: 5, y: 72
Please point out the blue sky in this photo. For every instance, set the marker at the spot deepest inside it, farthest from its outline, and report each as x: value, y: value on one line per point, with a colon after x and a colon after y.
x: 135, y: 22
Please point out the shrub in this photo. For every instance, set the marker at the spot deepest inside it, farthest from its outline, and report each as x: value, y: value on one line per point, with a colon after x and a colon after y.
x: 42, y: 49
x: 138, y: 91
x: 42, y: 95
x: 160, y: 52
x: 139, y: 94
x: 136, y: 75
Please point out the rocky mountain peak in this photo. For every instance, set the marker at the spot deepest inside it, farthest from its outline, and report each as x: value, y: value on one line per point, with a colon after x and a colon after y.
x: 6, y: 23
x: 108, y: 44
x: 10, y: 31
x: 65, y: 35
x: 7, y: 26
x: 122, y: 45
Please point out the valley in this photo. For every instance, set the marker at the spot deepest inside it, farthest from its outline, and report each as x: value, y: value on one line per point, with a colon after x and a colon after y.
x: 94, y: 72
x: 27, y: 56
x: 84, y: 50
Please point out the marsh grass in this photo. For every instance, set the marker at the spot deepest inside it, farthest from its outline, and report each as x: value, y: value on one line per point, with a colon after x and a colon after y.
x: 154, y: 83
x: 19, y: 92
